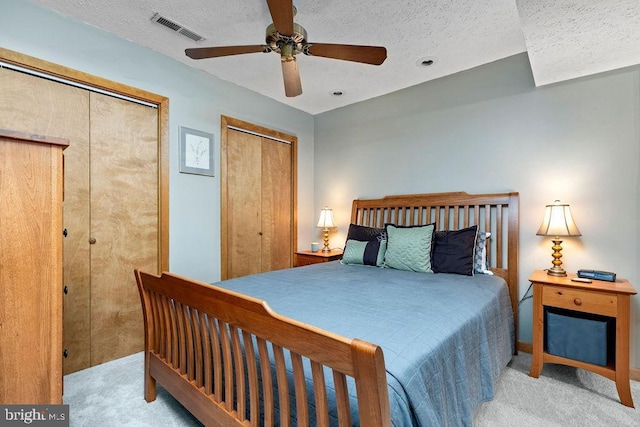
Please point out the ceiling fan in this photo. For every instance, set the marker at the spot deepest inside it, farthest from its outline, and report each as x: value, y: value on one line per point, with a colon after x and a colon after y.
x: 288, y: 39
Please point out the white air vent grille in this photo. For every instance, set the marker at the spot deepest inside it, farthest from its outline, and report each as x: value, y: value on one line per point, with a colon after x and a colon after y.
x: 174, y: 26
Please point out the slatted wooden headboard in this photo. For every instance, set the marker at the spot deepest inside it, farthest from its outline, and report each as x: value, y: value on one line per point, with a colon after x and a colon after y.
x: 495, y: 213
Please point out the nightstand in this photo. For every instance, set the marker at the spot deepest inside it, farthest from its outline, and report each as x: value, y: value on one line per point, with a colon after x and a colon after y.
x: 608, y: 299
x: 308, y: 257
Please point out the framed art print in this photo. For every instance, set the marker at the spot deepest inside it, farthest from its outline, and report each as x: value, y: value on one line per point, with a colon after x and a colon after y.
x: 196, y: 152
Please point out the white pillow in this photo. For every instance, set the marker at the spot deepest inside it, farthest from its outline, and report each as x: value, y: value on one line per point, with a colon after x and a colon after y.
x: 480, y: 260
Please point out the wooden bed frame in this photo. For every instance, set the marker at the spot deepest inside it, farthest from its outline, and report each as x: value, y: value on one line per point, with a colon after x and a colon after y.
x: 203, y: 344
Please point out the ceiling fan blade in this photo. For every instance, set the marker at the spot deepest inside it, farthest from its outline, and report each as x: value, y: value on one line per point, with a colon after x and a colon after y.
x: 214, y: 52
x: 374, y: 55
x: 282, y: 15
x: 291, y: 74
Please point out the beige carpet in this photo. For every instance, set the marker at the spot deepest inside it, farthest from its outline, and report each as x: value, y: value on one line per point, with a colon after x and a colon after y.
x: 561, y: 396
x: 112, y: 395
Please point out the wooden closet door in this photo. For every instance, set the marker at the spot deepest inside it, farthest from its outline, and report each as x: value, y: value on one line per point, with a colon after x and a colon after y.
x: 276, y: 205
x: 258, y: 201
x: 37, y: 105
x: 244, y: 188
x: 124, y: 221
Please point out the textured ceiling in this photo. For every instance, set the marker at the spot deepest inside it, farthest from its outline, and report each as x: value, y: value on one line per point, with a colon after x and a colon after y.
x: 574, y: 38
x: 564, y: 39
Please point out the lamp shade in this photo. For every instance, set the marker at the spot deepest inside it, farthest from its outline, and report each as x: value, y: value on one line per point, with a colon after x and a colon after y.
x: 326, y: 218
x: 558, y: 221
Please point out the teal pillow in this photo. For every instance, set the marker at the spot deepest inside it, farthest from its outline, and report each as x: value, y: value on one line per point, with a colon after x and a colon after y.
x: 409, y: 248
x: 364, y: 253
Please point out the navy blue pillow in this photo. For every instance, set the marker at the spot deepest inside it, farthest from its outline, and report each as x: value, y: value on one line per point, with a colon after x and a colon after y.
x: 363, y: 233
x: 454, y: 250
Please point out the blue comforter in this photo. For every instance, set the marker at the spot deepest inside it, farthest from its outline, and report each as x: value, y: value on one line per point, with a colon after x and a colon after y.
x: 445, y: 337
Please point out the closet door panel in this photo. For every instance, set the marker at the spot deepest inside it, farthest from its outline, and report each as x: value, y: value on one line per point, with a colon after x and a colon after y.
x: 36, y: 105
x: 276, y: 205
x: 244, y: 230
x: 124, y: 221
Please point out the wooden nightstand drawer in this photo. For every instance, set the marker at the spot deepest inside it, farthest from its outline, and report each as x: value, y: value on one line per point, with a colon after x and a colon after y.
x: 580, y: 300
x: 302, y: 260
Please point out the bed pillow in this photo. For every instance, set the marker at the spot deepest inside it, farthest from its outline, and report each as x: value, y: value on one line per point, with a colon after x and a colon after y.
x: 454, y: 251
x: 409, y: 248
x: 364, y: 253
x: 365, y: 234
x: 480, y: 258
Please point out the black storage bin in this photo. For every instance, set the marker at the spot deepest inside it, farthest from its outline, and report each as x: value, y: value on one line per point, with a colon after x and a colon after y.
x: 579, y: 336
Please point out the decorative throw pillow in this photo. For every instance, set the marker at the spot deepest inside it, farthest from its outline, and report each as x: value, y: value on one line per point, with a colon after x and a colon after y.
x: 364, y: 253
x: 365, y: 245
x: 365, y: 234
x: 409, y: 248
x: 480, y: 258
x: 453, y: 251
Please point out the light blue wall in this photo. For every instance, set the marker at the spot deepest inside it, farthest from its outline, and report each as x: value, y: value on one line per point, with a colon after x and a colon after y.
x: 196, y: 101
x: 491, y: 130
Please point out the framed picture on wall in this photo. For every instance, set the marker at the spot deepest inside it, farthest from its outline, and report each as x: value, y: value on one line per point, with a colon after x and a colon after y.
x: 196, y: 152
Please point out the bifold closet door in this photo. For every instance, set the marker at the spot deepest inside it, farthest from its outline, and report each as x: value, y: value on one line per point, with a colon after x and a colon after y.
x: 36, y: 105
x: 124, y: 221
x: 259, y: 204
x: 110, y: 207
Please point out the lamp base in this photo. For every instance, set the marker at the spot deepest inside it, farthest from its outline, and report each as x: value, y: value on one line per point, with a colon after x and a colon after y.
x: 557, y: 271
x: 326, y: 247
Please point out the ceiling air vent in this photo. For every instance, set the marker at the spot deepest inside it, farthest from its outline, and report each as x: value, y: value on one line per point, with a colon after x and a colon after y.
x: 176, y: 27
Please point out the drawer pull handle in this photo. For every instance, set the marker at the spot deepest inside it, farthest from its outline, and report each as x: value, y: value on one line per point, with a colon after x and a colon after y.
x: 577, y: 301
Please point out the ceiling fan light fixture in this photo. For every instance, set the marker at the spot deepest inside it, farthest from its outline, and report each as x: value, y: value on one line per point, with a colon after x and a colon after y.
x: 277, y: 41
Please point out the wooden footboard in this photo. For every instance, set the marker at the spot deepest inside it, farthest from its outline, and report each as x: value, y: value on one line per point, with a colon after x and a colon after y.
x: 226, y: 357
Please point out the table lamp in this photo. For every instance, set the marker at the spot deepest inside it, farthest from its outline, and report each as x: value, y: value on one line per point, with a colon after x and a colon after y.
x: 557, y: 223
x: 326, y: 222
